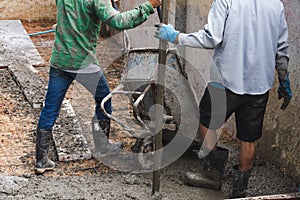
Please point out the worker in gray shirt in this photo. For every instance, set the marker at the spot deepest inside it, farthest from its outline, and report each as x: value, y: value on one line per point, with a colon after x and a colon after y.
x: 250, y: 42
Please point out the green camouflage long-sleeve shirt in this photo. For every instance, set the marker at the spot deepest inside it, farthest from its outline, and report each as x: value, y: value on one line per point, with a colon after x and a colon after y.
x: 78, y: 26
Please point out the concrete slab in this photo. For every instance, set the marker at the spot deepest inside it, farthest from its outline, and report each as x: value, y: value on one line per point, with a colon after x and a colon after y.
x: 15, y: 44
x: 68, y: 136
x: 32, y: 85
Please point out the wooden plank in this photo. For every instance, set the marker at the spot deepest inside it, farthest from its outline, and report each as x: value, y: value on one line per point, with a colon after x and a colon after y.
x: 15, y: 44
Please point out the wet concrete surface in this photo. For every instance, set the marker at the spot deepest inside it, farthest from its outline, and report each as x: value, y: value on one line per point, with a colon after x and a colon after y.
x: 101, y: 182
x: 117, y: 185
x: 112, y: 185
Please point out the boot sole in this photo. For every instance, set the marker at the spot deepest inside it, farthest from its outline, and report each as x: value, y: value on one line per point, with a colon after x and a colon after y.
x: 203, y: 183
x: 43, y: 170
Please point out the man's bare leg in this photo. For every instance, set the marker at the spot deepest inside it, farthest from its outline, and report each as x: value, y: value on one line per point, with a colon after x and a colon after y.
x: 242, y: 172
x: 246, y: 157
x: 209, y: 137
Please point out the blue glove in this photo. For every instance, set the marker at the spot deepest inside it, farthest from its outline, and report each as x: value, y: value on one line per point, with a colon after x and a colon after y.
x: 284, y: 91
x: 166, y: 32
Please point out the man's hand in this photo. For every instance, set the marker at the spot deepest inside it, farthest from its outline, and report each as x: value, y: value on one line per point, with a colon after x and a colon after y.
x: 155, y: 3
x: 284, y: 91
x: 167, y: 33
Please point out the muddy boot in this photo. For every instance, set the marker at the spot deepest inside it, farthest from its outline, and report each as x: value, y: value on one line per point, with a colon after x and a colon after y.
x: 212, y: 173
x: 102, y: 145
x: 239, y: 182
x: 43, y: 163
x: 105, y: 126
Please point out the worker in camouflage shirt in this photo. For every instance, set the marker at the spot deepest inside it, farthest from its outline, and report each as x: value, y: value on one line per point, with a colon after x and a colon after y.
x: 73, y: 57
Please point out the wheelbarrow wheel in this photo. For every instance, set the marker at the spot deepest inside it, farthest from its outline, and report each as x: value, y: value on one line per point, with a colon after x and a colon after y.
x: 144, y: 148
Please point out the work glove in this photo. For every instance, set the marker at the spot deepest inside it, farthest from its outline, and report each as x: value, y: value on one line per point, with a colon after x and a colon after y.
x: 166, y: 32
x: 284, y: 91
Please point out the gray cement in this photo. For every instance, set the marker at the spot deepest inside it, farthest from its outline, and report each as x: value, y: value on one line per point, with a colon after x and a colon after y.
x: 280, y: 143
x: 15, y: 44
x: 265, y: 180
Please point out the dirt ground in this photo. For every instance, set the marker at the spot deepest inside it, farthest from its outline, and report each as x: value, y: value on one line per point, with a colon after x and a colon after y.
x: 90, y: 179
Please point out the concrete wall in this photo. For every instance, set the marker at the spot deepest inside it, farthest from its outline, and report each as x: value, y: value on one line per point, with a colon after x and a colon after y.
x: 197, y: 60
x: 281, y: 141
x: 281, y: 135
x: 143, y: 35
x: 28, y: 9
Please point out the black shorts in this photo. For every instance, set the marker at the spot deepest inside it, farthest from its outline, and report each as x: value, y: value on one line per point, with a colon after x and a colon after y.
x: 218, y: 104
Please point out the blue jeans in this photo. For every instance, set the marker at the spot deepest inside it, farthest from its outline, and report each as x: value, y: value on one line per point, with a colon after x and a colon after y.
x: 59, y: 83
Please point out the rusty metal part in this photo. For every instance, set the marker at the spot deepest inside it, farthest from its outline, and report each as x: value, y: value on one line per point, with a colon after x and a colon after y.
x: 292, y: 196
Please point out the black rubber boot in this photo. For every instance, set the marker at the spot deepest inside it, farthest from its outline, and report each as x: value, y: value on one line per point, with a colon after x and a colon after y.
x: 239, y: 182
x: 43, y: 163
x: 212, y: 172
x: 102, y: 145
x: 105, y: 126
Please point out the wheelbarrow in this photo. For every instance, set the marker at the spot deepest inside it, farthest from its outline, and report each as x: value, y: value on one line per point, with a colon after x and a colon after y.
x: 138, y: 82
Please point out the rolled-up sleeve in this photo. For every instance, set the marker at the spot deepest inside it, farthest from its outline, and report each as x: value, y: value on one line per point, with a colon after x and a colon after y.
x: 123, y: 20
x: 212, y: 34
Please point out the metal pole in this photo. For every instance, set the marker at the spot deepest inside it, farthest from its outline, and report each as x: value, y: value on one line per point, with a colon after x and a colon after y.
x: 162, y: 60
